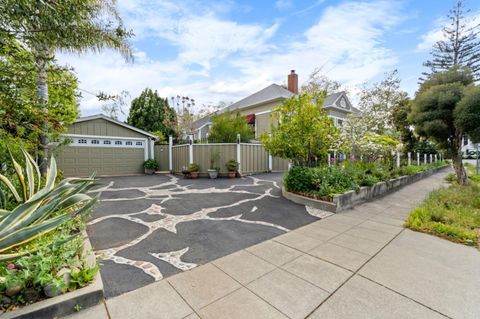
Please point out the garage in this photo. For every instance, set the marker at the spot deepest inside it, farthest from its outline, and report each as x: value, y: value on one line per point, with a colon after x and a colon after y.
x: 105, y: 146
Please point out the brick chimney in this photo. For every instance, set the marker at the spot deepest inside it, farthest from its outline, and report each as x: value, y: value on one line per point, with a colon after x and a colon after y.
x: 293, y: 82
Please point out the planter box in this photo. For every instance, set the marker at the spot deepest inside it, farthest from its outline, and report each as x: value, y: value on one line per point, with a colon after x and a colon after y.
x: 63, y: 305
x: 351, y: 198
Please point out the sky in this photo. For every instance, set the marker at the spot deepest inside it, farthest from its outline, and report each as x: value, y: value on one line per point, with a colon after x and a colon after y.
x: 216, y: 51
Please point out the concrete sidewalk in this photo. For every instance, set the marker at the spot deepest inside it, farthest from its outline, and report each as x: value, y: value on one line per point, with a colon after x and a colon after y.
x: 356, y: 264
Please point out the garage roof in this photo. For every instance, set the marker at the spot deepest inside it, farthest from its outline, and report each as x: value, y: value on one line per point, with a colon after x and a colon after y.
x: 107, y: 118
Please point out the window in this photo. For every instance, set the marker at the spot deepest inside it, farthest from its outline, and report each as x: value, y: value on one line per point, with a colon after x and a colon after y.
x: 82, y: 141
x: 465, y: 141
x: 339, y: 123
x: 107, y: 142
x: 118, y: 143
x: 139, y: 143
x: 95, y: 141
x: 128, y: 143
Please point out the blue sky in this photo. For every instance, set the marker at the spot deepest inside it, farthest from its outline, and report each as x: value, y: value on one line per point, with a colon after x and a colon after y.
x: 224, y: 50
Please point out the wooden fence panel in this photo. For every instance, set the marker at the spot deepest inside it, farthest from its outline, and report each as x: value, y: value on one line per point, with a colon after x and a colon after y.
x: 279, y: 164
x: 253, y: 159
x: 180, y: 157
x: 203, y: 152
x: 160, y: 152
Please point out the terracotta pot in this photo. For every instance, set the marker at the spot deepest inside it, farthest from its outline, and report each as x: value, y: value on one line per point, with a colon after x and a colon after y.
x: 194, y: 175
x: 232, y: 174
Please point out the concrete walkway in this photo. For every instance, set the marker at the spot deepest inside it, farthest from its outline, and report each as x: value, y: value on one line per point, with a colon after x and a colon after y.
x: 357, y: 264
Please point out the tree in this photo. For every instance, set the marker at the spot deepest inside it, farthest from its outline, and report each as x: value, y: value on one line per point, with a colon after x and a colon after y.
x: 403, y: 126
x: 226, y: 126
x: 113, y: 105
x: 445, y: 109
x: 378, y: 101
x: 20, y: 119
x: 460, y: 46
x: 304, y: 132
x: 151, y: 112
x: 183, y: 106
x: 44, y: 27
x: 319, y: 84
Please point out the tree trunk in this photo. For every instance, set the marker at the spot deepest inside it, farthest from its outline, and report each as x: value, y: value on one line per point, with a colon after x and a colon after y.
x: 42, y: 95
x: 457, y: 160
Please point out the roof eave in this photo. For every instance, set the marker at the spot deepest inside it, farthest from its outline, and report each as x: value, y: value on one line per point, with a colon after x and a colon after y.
x: 104, y: 117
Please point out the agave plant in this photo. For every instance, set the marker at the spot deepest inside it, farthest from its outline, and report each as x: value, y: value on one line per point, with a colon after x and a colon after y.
x: 40, y: 209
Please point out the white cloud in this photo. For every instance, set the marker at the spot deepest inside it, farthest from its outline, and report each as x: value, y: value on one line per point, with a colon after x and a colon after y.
x: 218, y: 59
x: 284, y: 4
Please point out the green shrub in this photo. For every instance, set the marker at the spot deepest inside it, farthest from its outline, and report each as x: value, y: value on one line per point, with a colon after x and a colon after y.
x: 299, y: 179
x: 194, y: 167
x: 231, y: 165
x: 150, y: 164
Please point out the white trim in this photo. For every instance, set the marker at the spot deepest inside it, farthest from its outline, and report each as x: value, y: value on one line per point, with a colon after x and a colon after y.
x: 151, y: 142
x: 145, y: 149
x: 199, y: 128
x: 190, y: 149
x: 263, y: 112
x: 101, y: 142
x: 170, y: 153
x: 105, y: 137
x: 109, y: 119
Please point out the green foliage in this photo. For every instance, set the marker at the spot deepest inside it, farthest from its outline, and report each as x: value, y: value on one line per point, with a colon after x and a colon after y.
x: 150, y: 164
x: 84, y: 277
x: 467, y: 113
x: 303, y: 133
x: 324, y: 181
x: 403, y: 126
x: 152, y: 113
x: 441, y: 109
x: 41, y: 210
x: 231, y: 165
x: 452, y: 213
x: 214, y: 160
x: 226, y: 126
x: 194, y: 167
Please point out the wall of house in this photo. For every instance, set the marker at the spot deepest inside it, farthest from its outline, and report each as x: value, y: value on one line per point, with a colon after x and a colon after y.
x: 101, y: 127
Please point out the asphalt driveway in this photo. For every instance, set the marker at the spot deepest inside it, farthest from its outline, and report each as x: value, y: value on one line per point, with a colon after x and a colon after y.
x: 150, y: 227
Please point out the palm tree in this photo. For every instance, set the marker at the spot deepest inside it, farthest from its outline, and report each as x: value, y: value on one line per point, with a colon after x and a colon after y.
x: 75, y: 26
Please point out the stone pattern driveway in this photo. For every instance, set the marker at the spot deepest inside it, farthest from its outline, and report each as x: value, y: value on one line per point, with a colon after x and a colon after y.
x: 150, y: 227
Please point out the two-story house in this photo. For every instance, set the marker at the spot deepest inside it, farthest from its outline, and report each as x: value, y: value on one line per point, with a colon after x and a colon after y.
x: 257, y: 107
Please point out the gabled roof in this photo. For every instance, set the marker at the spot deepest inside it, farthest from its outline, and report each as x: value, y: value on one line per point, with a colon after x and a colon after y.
x: 270, y: 93
x: 331, y: 101
x: 107, y: 118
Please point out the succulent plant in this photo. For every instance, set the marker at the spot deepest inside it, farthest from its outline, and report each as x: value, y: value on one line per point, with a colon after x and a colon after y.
x: 40, y: 209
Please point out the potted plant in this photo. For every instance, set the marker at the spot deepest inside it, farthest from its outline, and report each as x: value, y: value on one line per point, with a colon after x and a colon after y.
x: 213, y: 170
x: 150, y: 166
x: 193, y: 170
x: 232, y: 166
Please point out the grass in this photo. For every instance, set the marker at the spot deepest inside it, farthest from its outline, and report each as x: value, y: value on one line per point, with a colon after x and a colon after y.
x: 452, y: 212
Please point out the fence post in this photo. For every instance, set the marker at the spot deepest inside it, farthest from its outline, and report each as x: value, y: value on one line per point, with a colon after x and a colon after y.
x: 190, y: 149
x: 170, y: 153
x: 329, y: 159
x: 206, y: 136
x: 238, y: 153
x: 431, y: 158
x: 409, y: 158
x: 418, y: 158
x: 270, y: 162
x: 436, y: 158
x: 398, y: 159
x: 424, y: 159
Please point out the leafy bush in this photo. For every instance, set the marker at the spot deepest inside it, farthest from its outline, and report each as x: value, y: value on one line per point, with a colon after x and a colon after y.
x: 194, y: 167
x: 231, y: 165
x: 150, y: 164
x: 299, y: 179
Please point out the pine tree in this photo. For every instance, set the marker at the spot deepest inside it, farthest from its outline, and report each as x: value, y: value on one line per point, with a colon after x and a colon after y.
x: 460, y: 46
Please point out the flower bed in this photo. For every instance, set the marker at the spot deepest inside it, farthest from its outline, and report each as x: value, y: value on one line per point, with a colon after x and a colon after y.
x: 336, y: 188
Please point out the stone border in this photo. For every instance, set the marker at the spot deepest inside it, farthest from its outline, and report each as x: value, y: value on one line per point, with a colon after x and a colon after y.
x: 64, y: 304
x: 351, y: 198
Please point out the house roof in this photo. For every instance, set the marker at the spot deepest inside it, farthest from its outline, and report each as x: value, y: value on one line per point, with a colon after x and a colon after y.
x: 271, y: 93
x: 107, y: 118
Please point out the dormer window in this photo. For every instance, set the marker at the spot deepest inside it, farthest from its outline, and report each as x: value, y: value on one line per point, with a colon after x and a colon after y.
x: 343, y: 103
